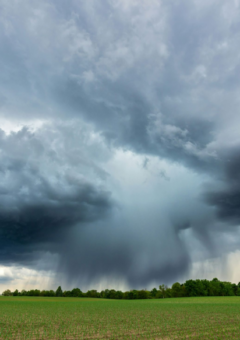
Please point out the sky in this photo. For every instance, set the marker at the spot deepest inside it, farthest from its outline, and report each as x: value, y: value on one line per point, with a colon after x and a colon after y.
x: 119, y: 143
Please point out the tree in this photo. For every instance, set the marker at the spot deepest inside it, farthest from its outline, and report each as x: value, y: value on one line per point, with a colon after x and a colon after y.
x: 67, y: 293
x: 215, y: 287
x: 92, y: 293
x: 7, y: 292
x: 59, y: 291
x: 15, y: 293
x: 105, y: 293
x: 153, y: 292
x: 142, y: 294
x: 191, y: 288
x: 206, y: 287
x: 163, y: 289
x: 76, y: 292
x: 112, y: 294
x: 119, y: 295
x: 227, y: 289
x: 235, y: 288
x: 177, y: 290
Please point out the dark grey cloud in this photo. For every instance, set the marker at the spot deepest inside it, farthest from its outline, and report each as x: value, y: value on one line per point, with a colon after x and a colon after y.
x: 92, y: 80
x: 37, y: 222
x: 121, y: 254
x: 5, y: 279
x: 40, y: 199
x: 226, y: 197
x: 227, y: 203
x: 48, y: 206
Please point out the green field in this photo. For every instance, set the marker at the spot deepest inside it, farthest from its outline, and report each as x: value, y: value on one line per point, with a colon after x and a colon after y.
x: 85, y: 318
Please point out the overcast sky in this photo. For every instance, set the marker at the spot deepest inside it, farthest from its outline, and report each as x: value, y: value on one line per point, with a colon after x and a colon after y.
x: 119, y: 142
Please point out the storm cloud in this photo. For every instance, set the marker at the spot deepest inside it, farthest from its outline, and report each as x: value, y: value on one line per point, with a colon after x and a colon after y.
x: 226, y: 197
x: 119, y: 140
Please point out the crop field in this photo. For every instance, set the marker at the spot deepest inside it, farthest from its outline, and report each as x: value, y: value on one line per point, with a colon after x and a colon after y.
x: 84, y: 318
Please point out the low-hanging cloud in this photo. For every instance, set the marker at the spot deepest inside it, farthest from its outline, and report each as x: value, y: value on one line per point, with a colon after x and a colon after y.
x: 226, y: 197
x: 41, y: 199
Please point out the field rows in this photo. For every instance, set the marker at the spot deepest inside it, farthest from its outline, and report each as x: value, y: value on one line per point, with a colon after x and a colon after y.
x: 182, y: 318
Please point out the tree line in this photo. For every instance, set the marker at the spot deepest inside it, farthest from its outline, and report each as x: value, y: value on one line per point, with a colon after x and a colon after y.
x: 190, y: 288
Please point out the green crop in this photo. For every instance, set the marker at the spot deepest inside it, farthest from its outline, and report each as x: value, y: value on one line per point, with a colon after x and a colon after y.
x: 83, y: 318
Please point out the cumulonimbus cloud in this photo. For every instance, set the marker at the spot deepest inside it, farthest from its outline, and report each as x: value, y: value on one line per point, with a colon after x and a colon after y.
x: 154, y: 81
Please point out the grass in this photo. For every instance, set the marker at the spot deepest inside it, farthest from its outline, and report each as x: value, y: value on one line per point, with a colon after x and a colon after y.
x: 83, y: 318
